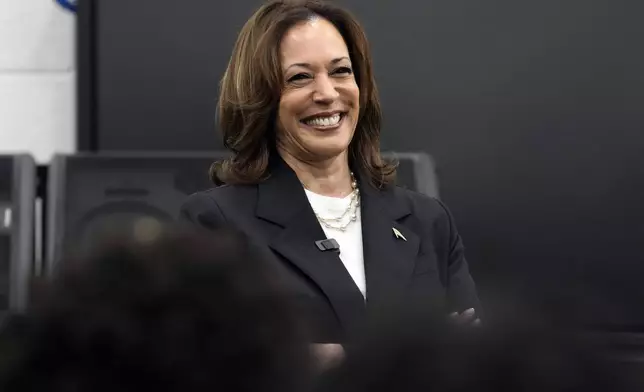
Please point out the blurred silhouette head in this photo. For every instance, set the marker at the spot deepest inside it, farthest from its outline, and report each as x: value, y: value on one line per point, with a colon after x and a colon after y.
x: 184, y: 312
x: 430, y: 355
x: 300, y: 82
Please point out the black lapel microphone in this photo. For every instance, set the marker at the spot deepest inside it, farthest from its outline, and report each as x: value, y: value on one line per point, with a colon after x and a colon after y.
x: 328, y: 244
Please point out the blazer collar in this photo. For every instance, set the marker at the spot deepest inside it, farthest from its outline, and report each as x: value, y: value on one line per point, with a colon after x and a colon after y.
x: 390, y: 247
x: 389, y: 260
x: 282, y: 196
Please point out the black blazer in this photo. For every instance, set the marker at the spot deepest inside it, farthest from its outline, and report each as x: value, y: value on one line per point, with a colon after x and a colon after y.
x: 427, y: 268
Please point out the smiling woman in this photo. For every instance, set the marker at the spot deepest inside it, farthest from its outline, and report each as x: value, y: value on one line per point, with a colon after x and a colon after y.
x: 299, y: 110
x: 295, y: 61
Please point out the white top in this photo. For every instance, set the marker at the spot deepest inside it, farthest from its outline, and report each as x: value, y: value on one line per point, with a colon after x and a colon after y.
x: 350, y: 240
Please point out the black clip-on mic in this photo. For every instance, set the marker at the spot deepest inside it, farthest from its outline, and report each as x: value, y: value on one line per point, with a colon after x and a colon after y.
x: 328, y: 244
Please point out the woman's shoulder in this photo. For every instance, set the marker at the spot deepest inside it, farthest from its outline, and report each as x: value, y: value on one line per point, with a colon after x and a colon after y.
x: 419, y: 201
x: 218, y: 196
x: 428, y: 209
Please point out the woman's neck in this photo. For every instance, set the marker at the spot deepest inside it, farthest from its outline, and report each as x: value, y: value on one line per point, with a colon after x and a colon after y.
x: 331, y: 177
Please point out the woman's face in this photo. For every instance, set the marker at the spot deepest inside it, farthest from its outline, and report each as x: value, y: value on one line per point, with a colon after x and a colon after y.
x: 320, y: 101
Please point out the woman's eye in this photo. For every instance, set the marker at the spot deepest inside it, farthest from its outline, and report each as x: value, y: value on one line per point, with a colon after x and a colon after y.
x: 298, y: 77
x: 344, y: 70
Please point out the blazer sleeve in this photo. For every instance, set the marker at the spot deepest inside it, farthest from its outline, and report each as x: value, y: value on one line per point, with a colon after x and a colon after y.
x: 201, y: 210
x: 461, y: 289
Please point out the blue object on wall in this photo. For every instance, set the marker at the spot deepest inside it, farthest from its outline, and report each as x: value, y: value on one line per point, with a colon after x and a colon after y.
x: 68, y: 4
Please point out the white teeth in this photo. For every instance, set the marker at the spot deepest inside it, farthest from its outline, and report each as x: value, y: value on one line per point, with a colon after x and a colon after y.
x: 324, y: 121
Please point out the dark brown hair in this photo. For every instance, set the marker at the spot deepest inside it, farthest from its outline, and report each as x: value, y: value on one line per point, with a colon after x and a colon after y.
x: 252, y: 85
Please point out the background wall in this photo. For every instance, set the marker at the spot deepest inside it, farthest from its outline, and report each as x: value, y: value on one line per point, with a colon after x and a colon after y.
x: 37, y: 78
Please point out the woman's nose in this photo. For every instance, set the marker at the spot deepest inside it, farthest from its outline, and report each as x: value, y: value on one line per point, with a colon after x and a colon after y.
x: 325, y: 90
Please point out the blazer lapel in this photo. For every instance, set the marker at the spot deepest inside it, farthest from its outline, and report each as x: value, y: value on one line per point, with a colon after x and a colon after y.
x: 390, y: 248
x: 282, y: 201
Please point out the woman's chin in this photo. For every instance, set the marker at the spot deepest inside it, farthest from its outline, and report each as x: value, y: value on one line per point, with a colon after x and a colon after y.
x: 327, y: 150
x: 326, y: 144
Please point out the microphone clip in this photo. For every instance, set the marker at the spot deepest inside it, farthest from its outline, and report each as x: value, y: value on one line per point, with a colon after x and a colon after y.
x: 327, y: 245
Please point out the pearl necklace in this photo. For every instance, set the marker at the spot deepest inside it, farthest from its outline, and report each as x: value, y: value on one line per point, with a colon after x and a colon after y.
x: 349, y: 215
